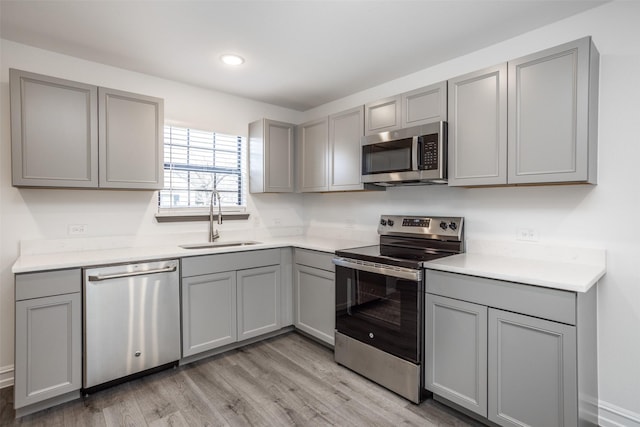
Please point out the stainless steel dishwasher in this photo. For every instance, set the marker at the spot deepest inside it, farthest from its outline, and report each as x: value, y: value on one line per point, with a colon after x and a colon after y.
x: 131, y: 320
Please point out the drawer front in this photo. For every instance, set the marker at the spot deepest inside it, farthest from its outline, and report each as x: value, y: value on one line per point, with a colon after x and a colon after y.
x: 546, y: 303
x: 209, y: 264
x: 316, y: 259
x: 48, y: 283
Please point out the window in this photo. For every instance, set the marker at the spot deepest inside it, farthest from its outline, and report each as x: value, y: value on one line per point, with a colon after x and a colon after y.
x: 196, y: 162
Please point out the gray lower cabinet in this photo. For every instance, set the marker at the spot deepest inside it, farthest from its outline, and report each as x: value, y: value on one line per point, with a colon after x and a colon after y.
x: 258, y: 301
x: 230, y: 297
x: 70, y: 134
x: 314, y: 291
x: 271, y: 157
x: 456, y: 351
x: 532, y: 371
x: 48, y: 331
x: 209, y: 312
x: 312, y: 147
x: 513, y: 353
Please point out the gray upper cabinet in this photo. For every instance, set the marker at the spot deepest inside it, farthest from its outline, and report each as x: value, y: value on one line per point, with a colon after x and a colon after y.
x: 130, y: 140
x: 54, y: 131
x: 271, y: 157
x: 532, y: 371
x: 383, y: 115
x: 313, y: 156
x: 456, y: 351
x: 48, y: 331
x: 553, y: 103
x: 345, y: 153
x: 478, y: 128
x: 69, y: 134
x: 424, y: 105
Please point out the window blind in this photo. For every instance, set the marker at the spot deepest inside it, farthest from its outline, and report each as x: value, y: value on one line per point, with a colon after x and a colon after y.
x: 197, y: 162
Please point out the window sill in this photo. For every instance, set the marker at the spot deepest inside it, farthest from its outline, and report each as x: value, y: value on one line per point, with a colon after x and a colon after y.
x: 184, y: 217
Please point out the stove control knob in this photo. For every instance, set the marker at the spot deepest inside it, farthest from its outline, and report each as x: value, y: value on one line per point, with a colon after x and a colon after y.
x: 443, y: 225
x: 453, y: 226
x: 383, y: 222
x: 390, y: 222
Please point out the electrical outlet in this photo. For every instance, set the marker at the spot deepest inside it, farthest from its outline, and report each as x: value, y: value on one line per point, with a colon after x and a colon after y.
x: 77, y: 229
x: 527, y: 235
x: 277, y: 221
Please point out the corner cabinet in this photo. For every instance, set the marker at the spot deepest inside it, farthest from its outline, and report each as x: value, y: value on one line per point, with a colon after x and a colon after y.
x: 271, y: 157
x: 48, y: 352
x: 314, y: 293
x: 545, y: 133
x: 70, y: 134
x: 512, y: 353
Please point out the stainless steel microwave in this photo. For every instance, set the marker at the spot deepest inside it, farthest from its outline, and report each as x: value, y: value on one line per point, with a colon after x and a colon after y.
x: 416, y: 155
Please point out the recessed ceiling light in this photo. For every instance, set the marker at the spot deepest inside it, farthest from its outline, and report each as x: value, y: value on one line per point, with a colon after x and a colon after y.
x: 231, y: 59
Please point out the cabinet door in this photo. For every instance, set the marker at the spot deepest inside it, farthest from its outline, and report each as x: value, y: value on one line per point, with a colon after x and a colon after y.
x: 549, y: 106
x: 54, y: 131
x: 48, y: 360
x: 131, y: 140
x: 425, y: 105
x: 532, y: 371
x: 478, y: 128
x: 383, y: 115
x: 345, y: 162
x: 208, y: 312
x: 278, y: 160
x: 313, y: 156
x: 315, y: 302
x: 456, y: 352
x: 258, y: 301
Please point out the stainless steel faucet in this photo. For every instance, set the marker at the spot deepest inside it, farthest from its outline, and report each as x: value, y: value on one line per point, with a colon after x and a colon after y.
x: 214, y: 234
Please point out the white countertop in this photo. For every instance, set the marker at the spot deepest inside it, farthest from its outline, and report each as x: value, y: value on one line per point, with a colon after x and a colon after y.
x: 570, y: 269
x: 87, y: 258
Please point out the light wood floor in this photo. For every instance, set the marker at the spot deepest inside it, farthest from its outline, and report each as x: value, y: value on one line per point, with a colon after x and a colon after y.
x: 284, y: 381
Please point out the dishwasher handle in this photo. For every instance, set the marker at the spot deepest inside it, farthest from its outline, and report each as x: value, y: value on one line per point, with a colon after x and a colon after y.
x: 99, y: 278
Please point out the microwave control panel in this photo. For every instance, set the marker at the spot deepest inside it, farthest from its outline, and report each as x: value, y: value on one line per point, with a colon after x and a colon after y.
x: 429, y: 144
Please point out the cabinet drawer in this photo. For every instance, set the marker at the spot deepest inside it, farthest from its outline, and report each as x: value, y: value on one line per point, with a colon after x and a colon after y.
x: 316, y: 259
x: 48, y: 283
x: 552, y: 304
x: 208, y: 264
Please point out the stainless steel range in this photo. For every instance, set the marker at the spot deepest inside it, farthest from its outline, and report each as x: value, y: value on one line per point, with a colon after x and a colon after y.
x: 380, y: 299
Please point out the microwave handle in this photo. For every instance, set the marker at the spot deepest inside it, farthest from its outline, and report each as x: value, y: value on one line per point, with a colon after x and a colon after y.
x: 416, y: 148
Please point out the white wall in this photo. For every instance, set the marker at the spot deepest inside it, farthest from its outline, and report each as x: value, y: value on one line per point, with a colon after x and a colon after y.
x: 31, y: 214
x: 602, y: 216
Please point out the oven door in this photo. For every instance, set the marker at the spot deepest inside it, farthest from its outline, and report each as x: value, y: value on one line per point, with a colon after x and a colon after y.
x: 380, y: 306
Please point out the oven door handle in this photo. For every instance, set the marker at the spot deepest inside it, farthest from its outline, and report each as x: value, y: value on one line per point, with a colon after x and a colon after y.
x: 386, y: 270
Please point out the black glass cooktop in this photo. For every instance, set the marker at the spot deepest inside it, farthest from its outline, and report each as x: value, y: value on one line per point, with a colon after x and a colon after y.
x: 392, y: 255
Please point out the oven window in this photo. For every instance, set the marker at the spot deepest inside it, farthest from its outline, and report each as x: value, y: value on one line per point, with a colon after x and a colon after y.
x: 379, y: 310
x: 383, y: 157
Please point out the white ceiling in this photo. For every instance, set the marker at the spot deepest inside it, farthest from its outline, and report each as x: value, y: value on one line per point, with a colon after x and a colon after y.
x: 299, y: 54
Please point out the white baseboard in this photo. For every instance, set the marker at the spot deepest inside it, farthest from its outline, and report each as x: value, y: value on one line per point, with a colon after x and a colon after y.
x: 6, y: 376
x: 615, y: 416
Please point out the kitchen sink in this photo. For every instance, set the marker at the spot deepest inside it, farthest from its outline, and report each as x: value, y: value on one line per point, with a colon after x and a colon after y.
x: 213, y: 245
